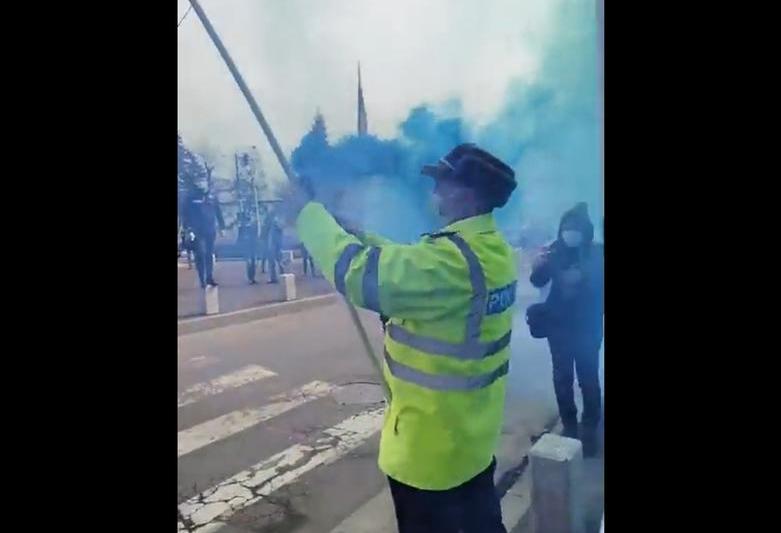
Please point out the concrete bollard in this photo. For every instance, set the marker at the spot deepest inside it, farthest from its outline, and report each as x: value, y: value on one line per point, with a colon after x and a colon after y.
x: 287, y: 284
x: 556, y: 466
x: 212, y: 300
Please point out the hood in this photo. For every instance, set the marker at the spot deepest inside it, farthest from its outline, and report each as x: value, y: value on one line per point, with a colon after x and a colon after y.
x: 579, y: 216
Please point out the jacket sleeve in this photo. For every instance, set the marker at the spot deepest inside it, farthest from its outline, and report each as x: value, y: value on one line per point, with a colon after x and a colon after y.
x: 422, y: 281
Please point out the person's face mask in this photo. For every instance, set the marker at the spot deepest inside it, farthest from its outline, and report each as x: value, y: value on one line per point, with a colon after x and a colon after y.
x: 572, y: 238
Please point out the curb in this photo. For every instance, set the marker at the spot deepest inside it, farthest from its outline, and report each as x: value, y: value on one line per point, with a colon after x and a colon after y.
x: 242, y: 316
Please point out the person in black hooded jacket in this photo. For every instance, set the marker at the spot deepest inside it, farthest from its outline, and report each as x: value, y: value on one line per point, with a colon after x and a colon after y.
x: 574, y: 265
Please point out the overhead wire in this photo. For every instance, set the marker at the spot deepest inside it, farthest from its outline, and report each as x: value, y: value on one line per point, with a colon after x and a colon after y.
x: 184, y: 16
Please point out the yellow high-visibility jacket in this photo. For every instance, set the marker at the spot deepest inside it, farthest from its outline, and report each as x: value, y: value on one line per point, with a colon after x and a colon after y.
x: 450, y: 302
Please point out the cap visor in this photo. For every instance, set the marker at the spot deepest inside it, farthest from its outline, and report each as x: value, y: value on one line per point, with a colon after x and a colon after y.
x: 430, y: 170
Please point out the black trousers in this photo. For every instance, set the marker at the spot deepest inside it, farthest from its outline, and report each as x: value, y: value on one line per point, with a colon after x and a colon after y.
x: 204, y: 258
x: 263, y: 257
x: 250, y: 257
x: 308, y: 262
x: 570, y: 354
x: 469, y: 508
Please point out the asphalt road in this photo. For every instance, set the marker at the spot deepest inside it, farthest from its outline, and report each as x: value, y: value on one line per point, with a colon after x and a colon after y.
x: 279, y: 422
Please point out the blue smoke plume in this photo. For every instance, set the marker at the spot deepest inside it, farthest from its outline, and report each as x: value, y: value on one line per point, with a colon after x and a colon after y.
x: 546, y: 129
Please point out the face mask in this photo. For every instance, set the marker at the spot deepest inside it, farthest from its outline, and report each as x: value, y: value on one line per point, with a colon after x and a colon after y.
x: 572, y: 238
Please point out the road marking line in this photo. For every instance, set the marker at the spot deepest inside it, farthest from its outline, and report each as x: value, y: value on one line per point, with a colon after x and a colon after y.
x: 374, y: 516
x: 250, y: 486
x: 243, y: 376
x: 201, y: 361
x: 229, y: 424
x: 211, y: 527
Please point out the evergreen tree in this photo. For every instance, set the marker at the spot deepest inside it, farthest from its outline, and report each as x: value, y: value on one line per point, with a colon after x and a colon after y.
x: 189, y: 167
x: 312, y: 151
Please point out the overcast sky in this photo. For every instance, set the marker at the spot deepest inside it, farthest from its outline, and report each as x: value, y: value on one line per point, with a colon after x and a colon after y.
x: 298, y: 55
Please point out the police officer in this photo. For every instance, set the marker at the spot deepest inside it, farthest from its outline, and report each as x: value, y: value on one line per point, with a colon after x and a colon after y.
x: 202, y: 216
x: 248, y: 241
x: 449, y: 301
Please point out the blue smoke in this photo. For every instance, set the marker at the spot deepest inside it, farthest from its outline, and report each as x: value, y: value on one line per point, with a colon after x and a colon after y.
x: 546, y: 129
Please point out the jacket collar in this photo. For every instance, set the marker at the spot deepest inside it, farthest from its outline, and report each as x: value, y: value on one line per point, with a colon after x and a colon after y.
x: 478, y: 224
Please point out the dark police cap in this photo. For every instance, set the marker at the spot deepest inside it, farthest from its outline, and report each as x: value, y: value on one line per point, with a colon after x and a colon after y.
x: 476, y: 168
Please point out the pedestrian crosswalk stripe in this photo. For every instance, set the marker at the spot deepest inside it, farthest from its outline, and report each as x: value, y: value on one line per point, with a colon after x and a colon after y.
x: 229, y: 424
x: 201, y: 361
x: 250, y: 486
x: 211, y: 527
x: 243, y: 376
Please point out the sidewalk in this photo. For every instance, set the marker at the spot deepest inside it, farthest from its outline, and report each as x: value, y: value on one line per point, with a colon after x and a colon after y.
x: 594, y: 491
x: 234, y: 290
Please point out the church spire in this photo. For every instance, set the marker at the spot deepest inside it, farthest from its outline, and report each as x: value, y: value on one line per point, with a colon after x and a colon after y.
x: 362, y: 120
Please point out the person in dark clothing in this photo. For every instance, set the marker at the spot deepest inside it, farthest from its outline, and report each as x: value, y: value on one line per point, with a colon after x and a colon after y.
x: 248, y: 241
x: 263, y: 241
x: 309, y: 263
x: 274, y: 249
x: 202, y: 216
x: 574, y: 265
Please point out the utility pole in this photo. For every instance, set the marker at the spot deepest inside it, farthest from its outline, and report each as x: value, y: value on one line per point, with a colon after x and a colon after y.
x: 601, y: 99
x: 255, y: 199
x: 236, y: 161
x: 258, y: 169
